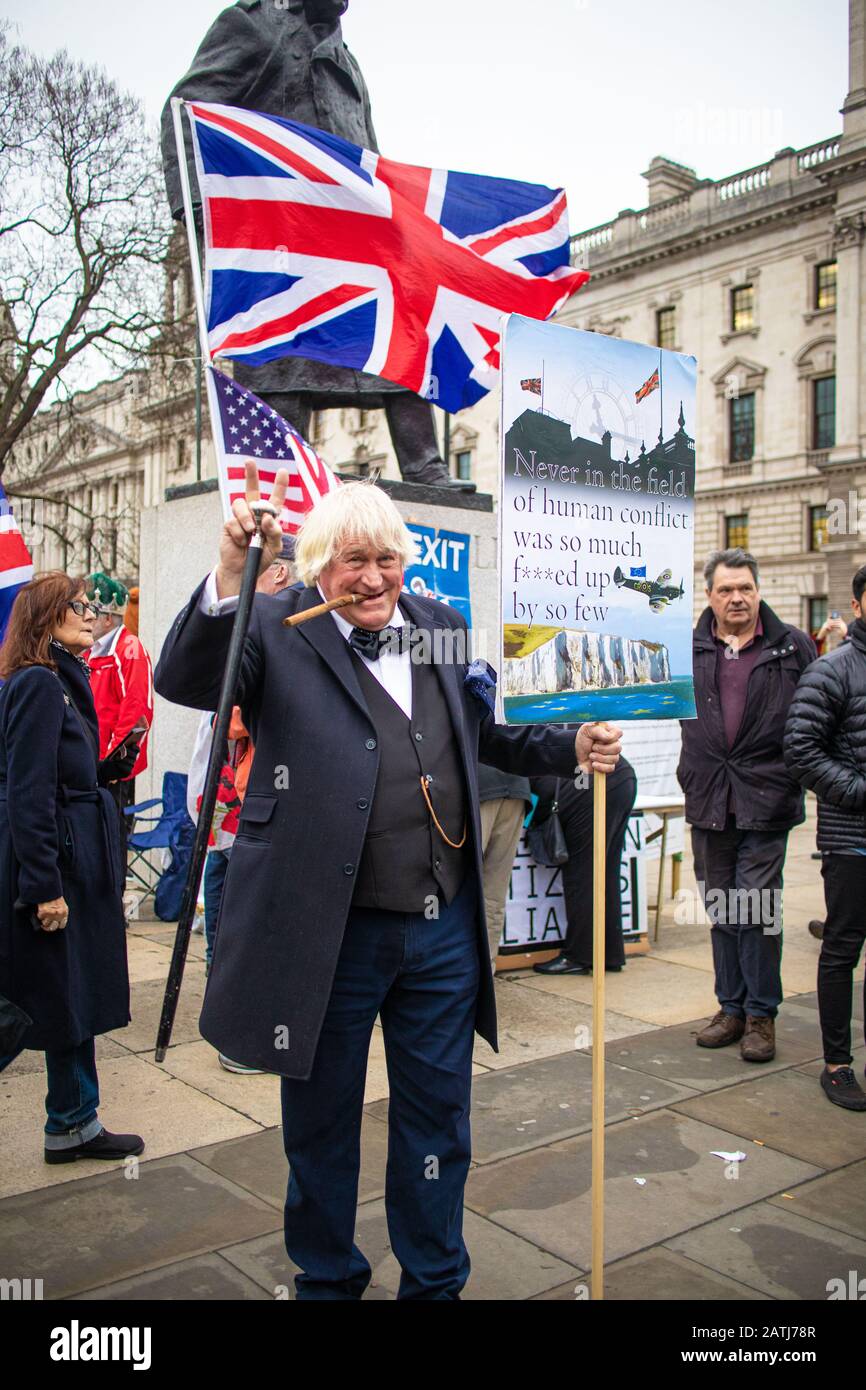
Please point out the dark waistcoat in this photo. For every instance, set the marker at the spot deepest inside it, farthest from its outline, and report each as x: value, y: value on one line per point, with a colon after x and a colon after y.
x: 405, y: 860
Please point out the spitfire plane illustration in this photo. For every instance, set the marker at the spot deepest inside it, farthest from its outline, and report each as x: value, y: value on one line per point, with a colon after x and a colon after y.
x: 660, y: 592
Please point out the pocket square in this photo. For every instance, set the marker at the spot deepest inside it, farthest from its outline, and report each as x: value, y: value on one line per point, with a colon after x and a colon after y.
x: 480, y: 681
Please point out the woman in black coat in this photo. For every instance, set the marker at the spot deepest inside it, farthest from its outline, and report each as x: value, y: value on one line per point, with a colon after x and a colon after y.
x: 62, y: 930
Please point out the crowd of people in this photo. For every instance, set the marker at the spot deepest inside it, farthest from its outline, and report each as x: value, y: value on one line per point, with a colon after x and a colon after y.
x: 351, y: 891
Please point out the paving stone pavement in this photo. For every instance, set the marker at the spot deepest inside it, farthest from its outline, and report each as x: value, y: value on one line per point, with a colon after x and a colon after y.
x: 200, y: 1216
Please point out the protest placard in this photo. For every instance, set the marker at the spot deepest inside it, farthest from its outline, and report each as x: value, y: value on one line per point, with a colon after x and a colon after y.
x: 596, y: 527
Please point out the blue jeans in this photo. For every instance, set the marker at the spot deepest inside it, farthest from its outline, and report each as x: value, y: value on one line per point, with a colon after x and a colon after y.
x: 215, y: 869
x: 421, y: 977
x: 73, y: 1094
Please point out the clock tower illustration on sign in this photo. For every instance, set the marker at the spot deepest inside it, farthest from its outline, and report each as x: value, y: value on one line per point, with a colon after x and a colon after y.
x: 597, y: 405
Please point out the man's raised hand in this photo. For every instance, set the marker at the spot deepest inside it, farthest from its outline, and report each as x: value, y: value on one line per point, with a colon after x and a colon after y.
x: 236, y: 532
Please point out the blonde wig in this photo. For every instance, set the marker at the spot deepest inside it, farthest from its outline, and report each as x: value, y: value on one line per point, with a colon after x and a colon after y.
x: 354, y: 514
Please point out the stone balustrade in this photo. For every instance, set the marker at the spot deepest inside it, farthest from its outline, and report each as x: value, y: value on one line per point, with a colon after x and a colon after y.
x: 709, y: 202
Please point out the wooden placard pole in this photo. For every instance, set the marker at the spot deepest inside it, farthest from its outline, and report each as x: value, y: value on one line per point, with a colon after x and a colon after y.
x: 599, y: 857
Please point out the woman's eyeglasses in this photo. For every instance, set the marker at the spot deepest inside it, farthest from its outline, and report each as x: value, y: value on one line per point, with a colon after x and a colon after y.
x: 82, y: 609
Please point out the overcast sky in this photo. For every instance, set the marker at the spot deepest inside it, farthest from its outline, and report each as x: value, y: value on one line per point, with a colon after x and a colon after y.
x: 575, y: 92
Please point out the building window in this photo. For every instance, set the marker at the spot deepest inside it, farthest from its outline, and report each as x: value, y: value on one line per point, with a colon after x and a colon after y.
x: 825, y: 285
x: 737, y: 532
x: 742, y: 428
x: 363, y: 419
x: 824, y: 412
x: 666, y: 328
x: 817, y: 528
x: 817, y: 615
x: 742, y: 308
x: 463, y: 462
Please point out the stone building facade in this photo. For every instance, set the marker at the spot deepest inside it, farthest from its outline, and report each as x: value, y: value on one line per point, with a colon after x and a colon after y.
x: 761, y: 276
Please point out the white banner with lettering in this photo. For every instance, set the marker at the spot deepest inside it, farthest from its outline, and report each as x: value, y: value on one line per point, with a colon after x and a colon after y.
x: 535, y: 918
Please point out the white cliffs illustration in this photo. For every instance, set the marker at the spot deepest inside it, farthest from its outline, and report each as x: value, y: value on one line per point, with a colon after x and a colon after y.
x: 571, y: 660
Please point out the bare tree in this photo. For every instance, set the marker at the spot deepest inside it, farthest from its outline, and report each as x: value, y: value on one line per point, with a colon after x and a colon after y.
x: 84, y: 231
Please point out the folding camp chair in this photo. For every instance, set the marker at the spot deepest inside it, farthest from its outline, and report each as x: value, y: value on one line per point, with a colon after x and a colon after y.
x: 163, y: 828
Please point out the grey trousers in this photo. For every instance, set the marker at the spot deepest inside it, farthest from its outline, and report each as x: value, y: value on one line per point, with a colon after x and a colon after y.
x: 739, y: 874
x: 501, y: 822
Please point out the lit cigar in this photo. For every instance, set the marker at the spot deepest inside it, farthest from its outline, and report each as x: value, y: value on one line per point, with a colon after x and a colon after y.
x: 297, y: 618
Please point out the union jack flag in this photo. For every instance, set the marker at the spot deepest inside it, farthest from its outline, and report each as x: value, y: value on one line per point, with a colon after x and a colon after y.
x: 651, y: 384
x: 531, y: 383
x: 16, y: 564
x: 318, y: 248
x: 246, y: 428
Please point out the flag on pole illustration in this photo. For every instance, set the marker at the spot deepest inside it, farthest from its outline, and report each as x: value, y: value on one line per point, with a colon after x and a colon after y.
x: 651, y: 384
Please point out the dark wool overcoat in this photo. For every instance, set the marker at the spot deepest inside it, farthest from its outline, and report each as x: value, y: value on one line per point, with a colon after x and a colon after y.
x: 292, y: 868
x: 59, y: 837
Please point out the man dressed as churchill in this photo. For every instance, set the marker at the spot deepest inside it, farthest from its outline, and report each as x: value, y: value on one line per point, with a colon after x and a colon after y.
x: 354, y: 888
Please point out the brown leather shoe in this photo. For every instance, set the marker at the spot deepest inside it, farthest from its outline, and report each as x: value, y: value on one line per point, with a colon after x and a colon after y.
x: 759, y: 1040
x: 721, y: 1031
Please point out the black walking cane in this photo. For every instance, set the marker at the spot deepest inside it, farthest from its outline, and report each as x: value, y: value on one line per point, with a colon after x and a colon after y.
x: 214, y: 767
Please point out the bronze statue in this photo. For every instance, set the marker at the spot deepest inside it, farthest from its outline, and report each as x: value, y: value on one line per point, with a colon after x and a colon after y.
x: 287, y: 58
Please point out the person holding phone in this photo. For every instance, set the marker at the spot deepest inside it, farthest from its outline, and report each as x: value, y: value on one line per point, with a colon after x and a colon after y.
x: 831, y: 633
x: 62, y: 931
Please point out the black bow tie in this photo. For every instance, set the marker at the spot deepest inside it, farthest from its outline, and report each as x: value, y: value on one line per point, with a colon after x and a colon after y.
x: 372, y: 644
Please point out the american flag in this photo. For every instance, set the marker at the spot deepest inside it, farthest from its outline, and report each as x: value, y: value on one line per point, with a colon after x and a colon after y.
x: 246, y: 428
x: 651, y: 384
x: 318, y: 248
x: 16, y: 564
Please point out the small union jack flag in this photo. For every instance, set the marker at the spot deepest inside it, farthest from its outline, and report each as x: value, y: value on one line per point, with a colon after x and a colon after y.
x: 318, y: 248
x: 246, y: 428
x: 531, y: 383
x: 651, y: 384
x: 16, y: 564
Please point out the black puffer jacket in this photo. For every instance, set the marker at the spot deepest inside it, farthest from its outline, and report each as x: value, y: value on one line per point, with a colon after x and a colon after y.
x: 825, y: 741
x: 751, y: 774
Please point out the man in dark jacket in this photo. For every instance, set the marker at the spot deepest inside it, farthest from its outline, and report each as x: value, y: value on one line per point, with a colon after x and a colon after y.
x: 740, y: 799
x: 353, y: 888
x: 287, y: 58
x: 825, y: 749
